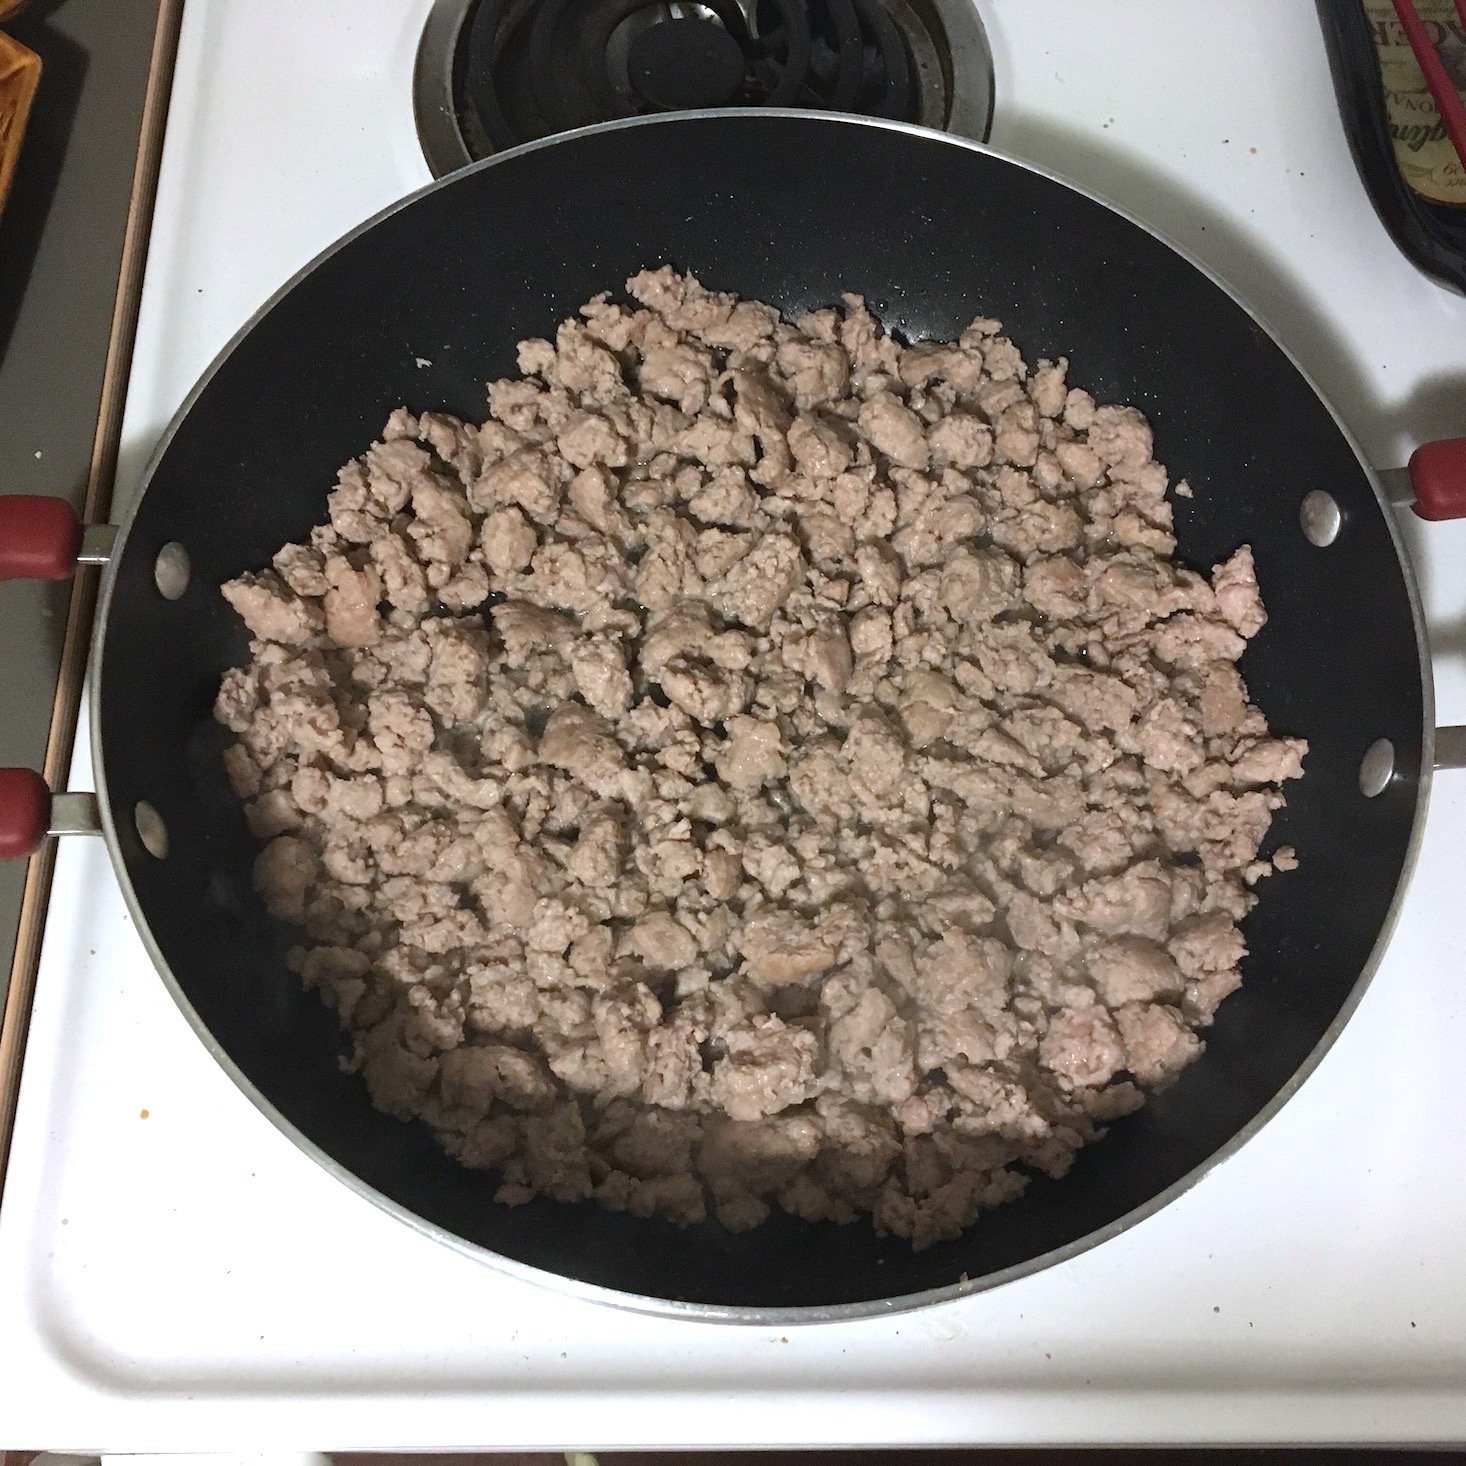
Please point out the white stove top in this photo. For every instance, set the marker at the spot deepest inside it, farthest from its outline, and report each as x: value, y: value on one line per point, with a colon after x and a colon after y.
x: 174, y: 1275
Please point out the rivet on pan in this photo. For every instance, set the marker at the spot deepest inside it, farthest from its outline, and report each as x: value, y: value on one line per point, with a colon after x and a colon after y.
x: 1319, y: 515
x: 150, y: 829
x: 171, y: 571
x: 1376, y: 768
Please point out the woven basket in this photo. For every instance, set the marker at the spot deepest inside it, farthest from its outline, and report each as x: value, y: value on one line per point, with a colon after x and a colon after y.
x: 20, y: 70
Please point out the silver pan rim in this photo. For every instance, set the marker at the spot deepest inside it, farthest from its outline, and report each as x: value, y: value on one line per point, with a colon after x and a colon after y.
x: 731, y: 1313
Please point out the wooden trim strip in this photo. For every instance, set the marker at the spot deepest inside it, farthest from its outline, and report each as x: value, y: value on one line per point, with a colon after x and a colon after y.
x: 61, y: 735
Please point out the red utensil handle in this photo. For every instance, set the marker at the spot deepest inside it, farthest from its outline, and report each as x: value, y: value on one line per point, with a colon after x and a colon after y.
x: 1437, y: 77
x: 25, y: 812
x: 1438, y: 476
x: 40, y: 537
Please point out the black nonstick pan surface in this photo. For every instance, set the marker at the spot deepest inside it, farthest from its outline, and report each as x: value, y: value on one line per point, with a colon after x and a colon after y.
x: 791, y: 209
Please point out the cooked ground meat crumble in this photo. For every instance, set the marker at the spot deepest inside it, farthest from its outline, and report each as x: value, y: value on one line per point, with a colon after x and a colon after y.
x: 763, y: 764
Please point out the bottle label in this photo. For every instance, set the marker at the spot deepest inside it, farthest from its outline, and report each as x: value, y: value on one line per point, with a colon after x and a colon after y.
x: 1424, y: 153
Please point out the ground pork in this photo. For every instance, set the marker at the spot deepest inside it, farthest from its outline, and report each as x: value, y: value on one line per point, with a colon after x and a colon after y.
x: 764, y: 764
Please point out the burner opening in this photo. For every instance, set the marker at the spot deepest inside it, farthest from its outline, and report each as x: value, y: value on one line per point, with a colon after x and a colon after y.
x: 491, y: 74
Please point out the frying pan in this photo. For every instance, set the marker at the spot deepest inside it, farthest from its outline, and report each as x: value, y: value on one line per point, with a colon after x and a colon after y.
x: 791, y: 208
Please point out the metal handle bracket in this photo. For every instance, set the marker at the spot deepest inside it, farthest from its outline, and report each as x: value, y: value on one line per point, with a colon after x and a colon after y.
x: 1450, y: 748
x: 74, y: 813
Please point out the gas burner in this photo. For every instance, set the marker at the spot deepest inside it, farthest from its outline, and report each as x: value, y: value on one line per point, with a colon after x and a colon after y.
x: 494, y: 73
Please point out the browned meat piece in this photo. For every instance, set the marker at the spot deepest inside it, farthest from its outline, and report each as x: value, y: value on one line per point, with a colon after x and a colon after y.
x: 1047, y: 388
x: 820, y: 449
x: 272, y: 611
x: 769, y: 1066
x: 1158, y: 1044
x: 350, y: 603
x: 1235, y: 584
x: 590, y: 438
x: 1015, y: 434
x: 1083, y: 1047
x: 680, y: 373
x: 779, y: 947
x: 752, y: 755
x: 759, y: 583
x: 816, y: 372
x: 894, y: 430
x: 962, y: 440
x: 1131, y: 970
x: 1120, y: 436
x: 525, y: 478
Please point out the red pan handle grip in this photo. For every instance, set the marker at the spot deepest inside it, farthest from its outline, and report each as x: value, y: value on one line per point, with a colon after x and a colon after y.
x: 1438, y: 476
x: 25, y: 812
x: 40, y: 537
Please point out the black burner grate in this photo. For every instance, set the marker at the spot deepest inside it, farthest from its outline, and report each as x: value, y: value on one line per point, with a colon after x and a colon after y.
x: 529, y: 68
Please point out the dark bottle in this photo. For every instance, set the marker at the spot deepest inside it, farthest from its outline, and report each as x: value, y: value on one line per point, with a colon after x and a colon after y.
x: 1399, y: 142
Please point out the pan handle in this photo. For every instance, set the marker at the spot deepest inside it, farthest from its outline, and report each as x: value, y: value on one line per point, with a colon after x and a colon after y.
x: 42, y: 539
x: 1437, y: 479
x: 29, y: 812
x: 1434, y: 485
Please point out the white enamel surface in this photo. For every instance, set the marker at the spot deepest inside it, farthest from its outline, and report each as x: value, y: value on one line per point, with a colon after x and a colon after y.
x: 189, y: 1280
